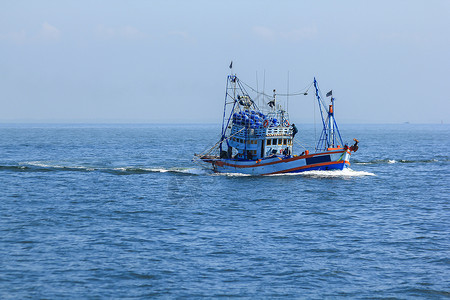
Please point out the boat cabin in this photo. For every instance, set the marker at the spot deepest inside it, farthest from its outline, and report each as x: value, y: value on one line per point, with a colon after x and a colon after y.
x: 255, y: 135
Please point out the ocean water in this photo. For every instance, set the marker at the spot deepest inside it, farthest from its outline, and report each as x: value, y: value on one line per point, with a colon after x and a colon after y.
x: 121, y: 211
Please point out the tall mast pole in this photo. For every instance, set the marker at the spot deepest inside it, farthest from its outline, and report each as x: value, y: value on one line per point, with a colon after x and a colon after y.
x: 331, y: 123
x: 320, y: 107
x: 287, y: 100
x: 230, y: 78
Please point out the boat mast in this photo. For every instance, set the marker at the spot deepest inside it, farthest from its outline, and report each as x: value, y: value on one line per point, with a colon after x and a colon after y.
x: 231, y: 84
x: 335, y: 135
x: 331, y: 136
x: 330, y: 129
x: 323, y: 135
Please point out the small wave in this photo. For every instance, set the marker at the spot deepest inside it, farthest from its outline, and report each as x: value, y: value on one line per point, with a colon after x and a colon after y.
x: 336, y: 174
x: 395, y: 161
x: 316, y: 173
x: 40, y: 166
x: 14, y: 168
x: 36, y: 166
x: 142, y: 170
x: 232, y: 174
x: 45, y: 166
x: 195, y: 171
x: 191, y: 171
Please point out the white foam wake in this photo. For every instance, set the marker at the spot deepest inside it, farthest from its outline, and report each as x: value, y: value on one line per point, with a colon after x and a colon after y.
x: 127, y: 169
x: 337, y: 173
x: 346, y: 173
x: 316, y: 174
x: 232, y: 174
x: 49, y: 165
x: 193, y: 171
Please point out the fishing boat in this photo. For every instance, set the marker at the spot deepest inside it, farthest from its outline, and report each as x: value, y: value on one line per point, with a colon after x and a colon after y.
x: 259, y: 140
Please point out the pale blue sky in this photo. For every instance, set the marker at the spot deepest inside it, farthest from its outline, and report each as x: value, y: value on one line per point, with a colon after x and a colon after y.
x: 167, y: 61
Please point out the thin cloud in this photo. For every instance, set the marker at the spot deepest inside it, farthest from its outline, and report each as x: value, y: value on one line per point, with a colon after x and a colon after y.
x: 264, y: 33
x: 183, y: 35
x: 294, y: 35
x: 299, y: 34
x: 125, y: 32
x: 48, y: 32
x: 405, y: 37
x: 130, y: 33
x: 16, y: 37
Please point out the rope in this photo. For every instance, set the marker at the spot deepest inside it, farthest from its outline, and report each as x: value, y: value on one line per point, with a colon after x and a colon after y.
x: 300, y: 144
x: 299, y: 93
x: 206, y: 152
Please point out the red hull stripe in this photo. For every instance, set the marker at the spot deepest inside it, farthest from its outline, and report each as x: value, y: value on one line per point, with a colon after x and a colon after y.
x: 221, y: 163
x: 310, y: 166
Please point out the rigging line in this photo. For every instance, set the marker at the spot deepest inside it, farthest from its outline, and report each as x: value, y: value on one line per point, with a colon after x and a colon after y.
x: 300, y: 144
x: 287, y: 100
x: 260, y: 93
x: 209, y: 150
x: 299, y: 93
x: 322, y: 99
x: 315, y: 131
x: 257, y: 89
x: 264, y: 84
x: 206, y: 152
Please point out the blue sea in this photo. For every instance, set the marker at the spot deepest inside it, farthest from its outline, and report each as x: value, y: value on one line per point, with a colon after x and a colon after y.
x: 121, y: 211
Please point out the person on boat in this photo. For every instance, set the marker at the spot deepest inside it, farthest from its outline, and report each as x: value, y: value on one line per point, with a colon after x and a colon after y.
x: 249, y: 155
x: 272, y: 102
x: 294, y: 130
x: 355, y: 147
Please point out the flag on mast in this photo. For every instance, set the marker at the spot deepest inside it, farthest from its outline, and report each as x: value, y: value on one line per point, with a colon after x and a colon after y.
x: 330, y: 93
x: 231, y: 65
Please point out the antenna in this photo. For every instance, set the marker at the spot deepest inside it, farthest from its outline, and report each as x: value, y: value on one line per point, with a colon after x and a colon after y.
x: 257, y: 90
x: 264, y: 86
x: 287, y: 100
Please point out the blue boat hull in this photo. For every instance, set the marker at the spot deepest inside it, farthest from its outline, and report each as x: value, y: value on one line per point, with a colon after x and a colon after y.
x: 331, y: 160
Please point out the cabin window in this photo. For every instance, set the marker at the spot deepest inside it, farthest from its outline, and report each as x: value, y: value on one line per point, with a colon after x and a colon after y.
x: 280, y: 141
x: 274, y: 142
x: 284, y: 142
x: 269, y: 142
